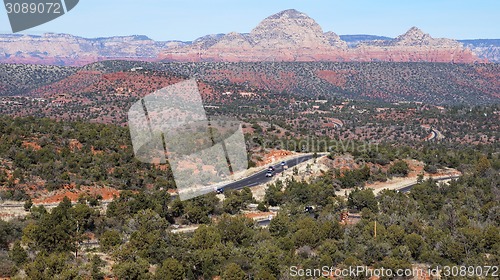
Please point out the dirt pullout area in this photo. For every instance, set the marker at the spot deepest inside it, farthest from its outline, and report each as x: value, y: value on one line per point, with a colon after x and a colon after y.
x: 396, y: 183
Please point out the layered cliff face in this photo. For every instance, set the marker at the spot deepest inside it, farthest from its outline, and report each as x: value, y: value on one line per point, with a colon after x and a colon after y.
x: 417, y: 38
x: 287, y: 36
x: 293, y: 36
x: 413, y: 46
x: 66, y: 49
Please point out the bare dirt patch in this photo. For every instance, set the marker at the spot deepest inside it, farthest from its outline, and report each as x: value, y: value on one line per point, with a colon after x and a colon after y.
x: 273, y: 156
x: 32, y: 145
x: 73, y: 194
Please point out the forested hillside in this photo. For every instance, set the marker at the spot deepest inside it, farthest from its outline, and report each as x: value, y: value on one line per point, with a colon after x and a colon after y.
x: 433, y: 83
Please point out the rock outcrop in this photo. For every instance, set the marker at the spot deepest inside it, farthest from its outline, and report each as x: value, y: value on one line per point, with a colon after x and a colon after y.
x: 293, y: 36
x: 287, y: 36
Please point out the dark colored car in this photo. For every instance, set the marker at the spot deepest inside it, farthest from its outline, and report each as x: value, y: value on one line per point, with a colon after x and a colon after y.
x: 219, y: 191
x: 309, y: 209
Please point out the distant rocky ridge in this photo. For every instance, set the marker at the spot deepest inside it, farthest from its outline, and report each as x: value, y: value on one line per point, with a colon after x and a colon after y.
x: 485, y: 48
x: 488, y: 49
x: 64, y: 49
x: 417, y: 38
x: 286, y: 36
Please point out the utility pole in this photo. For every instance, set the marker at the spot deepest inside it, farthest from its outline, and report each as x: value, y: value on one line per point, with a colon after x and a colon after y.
x: 77, y: 243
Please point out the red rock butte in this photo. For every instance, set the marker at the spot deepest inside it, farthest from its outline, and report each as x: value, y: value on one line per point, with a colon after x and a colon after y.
x: 293, y: 36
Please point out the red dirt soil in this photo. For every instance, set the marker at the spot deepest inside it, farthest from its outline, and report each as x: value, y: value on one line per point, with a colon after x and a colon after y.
x: 337, y: 78
x: 272, y: 156
x: 31, y: 145
x: 73, y: 194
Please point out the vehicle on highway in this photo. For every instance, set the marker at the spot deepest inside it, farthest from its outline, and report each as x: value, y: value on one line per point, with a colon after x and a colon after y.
x: 269, y: 173
x: 271, y: 168
x: 219, y: 191
x: 309, y: 209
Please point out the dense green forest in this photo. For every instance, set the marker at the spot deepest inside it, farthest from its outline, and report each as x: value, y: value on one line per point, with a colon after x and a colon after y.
x: 434, y: 224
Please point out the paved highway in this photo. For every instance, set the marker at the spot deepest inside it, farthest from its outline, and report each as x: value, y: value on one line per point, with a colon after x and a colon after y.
x: 260, y: 177
x: 406, y: 189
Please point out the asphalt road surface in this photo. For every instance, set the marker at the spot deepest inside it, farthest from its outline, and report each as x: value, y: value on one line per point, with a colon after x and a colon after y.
x: 408, y: 188
x: 260, y: 177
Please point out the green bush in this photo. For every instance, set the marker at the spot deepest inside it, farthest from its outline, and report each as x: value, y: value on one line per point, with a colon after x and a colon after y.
x: 399, y: 168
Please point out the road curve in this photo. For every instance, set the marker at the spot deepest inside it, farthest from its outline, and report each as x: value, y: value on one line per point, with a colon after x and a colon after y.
x: 406, y: 189
x: 260, y: 177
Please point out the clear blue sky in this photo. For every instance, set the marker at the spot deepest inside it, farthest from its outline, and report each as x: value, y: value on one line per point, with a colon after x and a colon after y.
x: 188, y: 19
